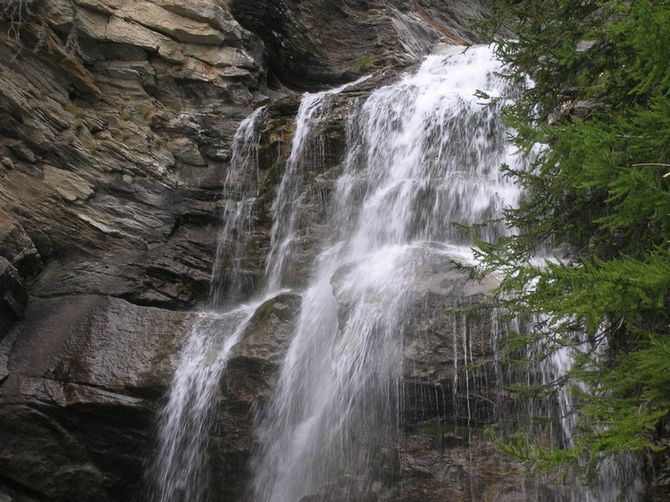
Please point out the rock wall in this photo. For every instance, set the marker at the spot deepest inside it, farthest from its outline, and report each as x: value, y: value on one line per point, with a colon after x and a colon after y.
x: 115, y: 126
x: 116, y: 121
x: 322, y: 42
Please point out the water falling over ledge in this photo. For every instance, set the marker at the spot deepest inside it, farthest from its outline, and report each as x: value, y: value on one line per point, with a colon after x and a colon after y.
x: 179, y: 470
x: 384, y: 309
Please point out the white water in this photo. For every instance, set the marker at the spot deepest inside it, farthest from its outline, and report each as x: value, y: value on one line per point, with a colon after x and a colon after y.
x: 178, y: 471
x: 619, y: 477
x: 422, y: 154
x: 232, y: 241
x: 306, y: 148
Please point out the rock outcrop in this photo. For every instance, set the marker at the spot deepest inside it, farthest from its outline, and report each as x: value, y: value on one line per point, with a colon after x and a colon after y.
x: 116, y: 122
x: 81, y: 381
x: 245, y: 388
x: 323, y: 42
x: 14, y: 296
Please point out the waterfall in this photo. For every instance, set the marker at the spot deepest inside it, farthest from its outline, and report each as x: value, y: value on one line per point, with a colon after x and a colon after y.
x: 232, y: 241
x: 620, y: 476
x: 178, y: 470
x: 421, y: 162
x: 422, y: 157
x: 305, y: 149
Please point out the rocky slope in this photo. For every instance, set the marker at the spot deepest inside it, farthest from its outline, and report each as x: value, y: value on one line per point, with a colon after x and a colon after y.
x: 116, y: 123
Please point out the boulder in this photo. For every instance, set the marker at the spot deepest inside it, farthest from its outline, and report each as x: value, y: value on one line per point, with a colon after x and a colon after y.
x: 245, y: 387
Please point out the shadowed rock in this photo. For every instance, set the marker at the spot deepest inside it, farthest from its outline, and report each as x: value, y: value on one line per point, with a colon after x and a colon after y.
x: 317, y: 43
x: 84, y: 377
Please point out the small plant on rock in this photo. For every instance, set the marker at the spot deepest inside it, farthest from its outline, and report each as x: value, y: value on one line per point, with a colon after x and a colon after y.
x: 363, y: 62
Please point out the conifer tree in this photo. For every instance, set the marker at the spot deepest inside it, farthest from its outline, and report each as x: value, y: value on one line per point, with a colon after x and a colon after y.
x: 593, y: 117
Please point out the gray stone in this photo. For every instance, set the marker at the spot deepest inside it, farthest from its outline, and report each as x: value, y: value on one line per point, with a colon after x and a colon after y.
x: 84, y: 376
x: 322, y: 42
x: 215, y: 13
x: 39, y: 454
x: 245, y: 387
x: 167, y: 22
x: 113, y: 154
x: 186, y: 151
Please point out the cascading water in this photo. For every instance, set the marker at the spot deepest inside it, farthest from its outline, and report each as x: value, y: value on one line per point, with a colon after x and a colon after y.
x: 232, y: 240
x: 422, y: 160
x: 619, y: 477
x: 422, y: 154
x: 178, y: 472
x: 305, y: 149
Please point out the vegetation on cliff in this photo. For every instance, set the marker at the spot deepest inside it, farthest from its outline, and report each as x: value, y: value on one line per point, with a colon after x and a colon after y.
x: 595, y: 123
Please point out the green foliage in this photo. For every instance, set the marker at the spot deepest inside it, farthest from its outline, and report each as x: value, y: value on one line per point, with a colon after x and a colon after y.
x: 125, y: 114
x: 363, y: 62
x: 74, y: 110
x: 145, y: 110
x: 595, y: 125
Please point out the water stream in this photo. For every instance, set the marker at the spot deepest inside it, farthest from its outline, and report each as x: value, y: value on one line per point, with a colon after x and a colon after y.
x: 178, y: 472
x: 233, y: 238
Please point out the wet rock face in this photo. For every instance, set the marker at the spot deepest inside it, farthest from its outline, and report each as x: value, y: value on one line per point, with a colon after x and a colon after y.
x: 450, y: 346
x: 116, y: 122
x: 13, y: 296
x: 434, y: 471
x: 245, y: 388
x: 80, y: 382
x: 315, y: 43
x: 117, y: 117
x: 453, y: 395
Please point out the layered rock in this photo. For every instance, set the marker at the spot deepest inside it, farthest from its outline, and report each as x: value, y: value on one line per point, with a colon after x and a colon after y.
x: 14, y: 297
x: 82, y: 379
x: 245, y: 388
x: 322, y: 42
x: 453, y: 386
x: 115, y: 126
x: 116, y: 119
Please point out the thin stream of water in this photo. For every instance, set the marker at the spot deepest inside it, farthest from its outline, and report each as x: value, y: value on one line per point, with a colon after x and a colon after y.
x: 178, y: 472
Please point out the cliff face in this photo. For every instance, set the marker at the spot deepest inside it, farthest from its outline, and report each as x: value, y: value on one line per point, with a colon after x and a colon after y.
x: 116, y: 123
x: 117, y: 119
x: 321, y: 42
